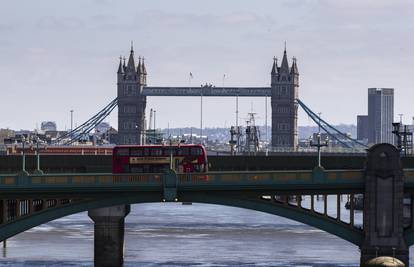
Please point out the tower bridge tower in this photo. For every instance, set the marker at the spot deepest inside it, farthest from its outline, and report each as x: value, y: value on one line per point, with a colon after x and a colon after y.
x: 131, y: 103
x: 284, y: 91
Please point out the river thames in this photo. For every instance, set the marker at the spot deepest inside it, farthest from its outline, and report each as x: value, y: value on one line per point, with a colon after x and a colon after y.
x: 171, y: 234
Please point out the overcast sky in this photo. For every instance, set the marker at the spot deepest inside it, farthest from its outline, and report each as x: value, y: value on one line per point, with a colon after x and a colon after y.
x: 61, y: 55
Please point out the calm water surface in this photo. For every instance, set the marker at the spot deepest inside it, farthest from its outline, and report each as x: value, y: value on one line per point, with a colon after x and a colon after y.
x: 171, y: 234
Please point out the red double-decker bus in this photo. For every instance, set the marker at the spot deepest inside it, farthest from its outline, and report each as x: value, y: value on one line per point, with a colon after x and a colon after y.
x: 182, y: 158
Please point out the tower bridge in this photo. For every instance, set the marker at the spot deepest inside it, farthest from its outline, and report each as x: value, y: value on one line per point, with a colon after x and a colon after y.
x: 133, y: 90
x: 387, y: 228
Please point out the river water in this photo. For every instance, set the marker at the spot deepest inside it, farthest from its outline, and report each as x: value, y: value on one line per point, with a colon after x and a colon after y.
x: 171, y: 234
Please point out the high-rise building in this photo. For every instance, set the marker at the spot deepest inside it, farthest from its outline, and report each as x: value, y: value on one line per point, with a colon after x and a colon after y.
x: 131, y: 103
x: 285, y: 87
x: 362, y: 128
x: 380, y: 115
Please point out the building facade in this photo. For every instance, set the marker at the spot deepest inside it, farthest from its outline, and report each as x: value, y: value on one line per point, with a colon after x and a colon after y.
x: 48, y: 126
x: 380, y: 115
x: 131, y: 103
x: 285, y: 89
x: 362, y: 128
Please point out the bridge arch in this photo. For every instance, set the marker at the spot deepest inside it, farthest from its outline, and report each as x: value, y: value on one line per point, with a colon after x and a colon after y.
x: 331, y: 226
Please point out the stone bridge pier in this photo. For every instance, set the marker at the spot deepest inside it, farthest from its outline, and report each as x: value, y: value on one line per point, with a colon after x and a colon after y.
x: 383, y: 206
x: 109, y: 235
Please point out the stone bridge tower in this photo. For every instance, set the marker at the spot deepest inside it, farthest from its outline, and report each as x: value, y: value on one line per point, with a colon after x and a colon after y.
x: 131, y: 103
x: 285, y: 87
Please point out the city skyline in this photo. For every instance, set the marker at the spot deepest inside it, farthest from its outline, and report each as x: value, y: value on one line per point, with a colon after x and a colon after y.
x: 49, y: 74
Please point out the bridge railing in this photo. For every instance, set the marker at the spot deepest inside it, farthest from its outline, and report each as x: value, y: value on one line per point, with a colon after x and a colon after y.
x: 97, y: 179
x: 281, y: 177
x: 277, y: 179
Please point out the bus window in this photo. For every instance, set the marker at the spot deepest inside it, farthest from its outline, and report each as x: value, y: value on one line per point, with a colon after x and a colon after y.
x: 178, y: 152
x: 122, y: 152
x: 196, y: 151
x: 166, y: 151
x: 136, y: 152
x: 146, y: 151
x: 156, y: 152
x: 185, y: 151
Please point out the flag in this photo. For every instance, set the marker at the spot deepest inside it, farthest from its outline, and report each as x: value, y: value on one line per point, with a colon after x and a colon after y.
x: 191, y: 75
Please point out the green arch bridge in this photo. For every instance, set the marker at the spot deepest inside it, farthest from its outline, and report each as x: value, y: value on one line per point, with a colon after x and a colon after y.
x: 27, y: 201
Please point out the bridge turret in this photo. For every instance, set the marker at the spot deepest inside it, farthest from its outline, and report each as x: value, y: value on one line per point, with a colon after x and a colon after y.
x: 144, y: 73
x: 120, y: 71
x: 294, y: 68
x: 274, y: 73
x: 139, y: 67
x: 124, y: 64
x: 294, y: 73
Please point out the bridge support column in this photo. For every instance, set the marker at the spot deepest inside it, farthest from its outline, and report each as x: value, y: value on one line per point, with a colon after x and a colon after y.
x: 383, y: 206
x: 109, y: 235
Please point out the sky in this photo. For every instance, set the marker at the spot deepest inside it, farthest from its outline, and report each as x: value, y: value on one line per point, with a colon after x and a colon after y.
x: 56, y: 56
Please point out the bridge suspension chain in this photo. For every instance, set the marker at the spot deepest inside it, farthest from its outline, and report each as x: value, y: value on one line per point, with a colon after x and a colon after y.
x: 79, y: 132
x: 328, y: 127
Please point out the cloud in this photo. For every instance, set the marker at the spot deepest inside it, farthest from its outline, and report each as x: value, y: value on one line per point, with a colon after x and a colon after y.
x: 7, y: 27
x: 342, y: 47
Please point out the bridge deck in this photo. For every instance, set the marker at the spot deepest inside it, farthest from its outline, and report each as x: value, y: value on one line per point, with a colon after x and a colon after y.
x: 348, y: 180
x: 207, y: 91
x: 308, y: 181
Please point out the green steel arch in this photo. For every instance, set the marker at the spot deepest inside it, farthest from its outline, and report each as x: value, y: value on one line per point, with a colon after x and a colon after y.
x: 324, y: 223
x: 409, y: 237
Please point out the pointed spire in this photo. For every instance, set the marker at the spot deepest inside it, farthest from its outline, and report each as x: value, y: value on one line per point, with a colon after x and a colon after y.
x: 124, y: 64
x: 131, y: 62
x: 120, y: 68
x: 139, y: 67
x: 285, y: 65
x: 144, y: 70
x: 294, y: 69
x: 274, y: 68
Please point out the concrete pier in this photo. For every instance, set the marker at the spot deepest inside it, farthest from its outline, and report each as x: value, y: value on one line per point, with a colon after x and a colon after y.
x: 109, y: 235
x: 383, y: 206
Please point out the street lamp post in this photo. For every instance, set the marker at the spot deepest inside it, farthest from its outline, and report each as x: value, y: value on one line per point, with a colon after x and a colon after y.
x: 23, y: 155
x: 24, y: 172
x: 38, y: 170
x: 318, y: 145
x: 71, y: 124
x: 71, y: 120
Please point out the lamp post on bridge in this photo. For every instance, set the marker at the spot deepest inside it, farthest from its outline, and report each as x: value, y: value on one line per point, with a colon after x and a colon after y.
x: 24, y: 172
x: 318, y: 145
x: 38, y: 170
